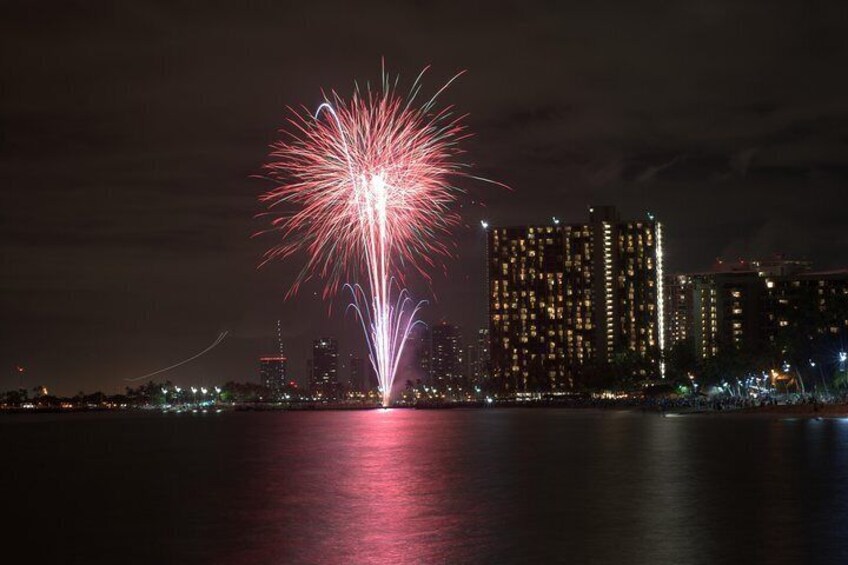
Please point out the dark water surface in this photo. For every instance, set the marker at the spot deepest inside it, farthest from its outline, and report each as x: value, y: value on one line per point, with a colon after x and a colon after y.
x: 400, y: 486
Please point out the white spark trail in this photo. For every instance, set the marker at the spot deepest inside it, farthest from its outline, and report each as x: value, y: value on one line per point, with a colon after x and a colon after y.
x: 221, y: 337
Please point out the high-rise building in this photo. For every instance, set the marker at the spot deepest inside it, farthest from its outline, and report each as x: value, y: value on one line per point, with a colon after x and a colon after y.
x: 483, y: 355
x: 563, y: 295
x: 469, y: 359
x: 324, y: 367
x: 727, y: 312
x: 477, y: 360
x: 812, y: 302
x: 753, y: 305
x: 420, y: 346
x: 357, y: 377
x: 678, y: 309
x: 447, y: 368
x: 272, y: 374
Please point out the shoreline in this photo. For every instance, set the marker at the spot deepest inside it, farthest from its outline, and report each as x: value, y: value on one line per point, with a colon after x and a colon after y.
x: 805, y: 411
x: 797, y: 411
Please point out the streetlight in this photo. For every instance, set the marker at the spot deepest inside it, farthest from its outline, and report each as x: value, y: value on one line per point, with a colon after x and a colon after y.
x: 484, y: 224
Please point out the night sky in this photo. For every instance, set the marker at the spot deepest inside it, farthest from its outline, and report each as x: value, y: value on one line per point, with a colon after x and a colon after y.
x: 129, y: 134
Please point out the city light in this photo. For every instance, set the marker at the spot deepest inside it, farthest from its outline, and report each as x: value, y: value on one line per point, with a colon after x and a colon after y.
x: 660, y: 297
x: 608, y: 288
x: 484, y: 224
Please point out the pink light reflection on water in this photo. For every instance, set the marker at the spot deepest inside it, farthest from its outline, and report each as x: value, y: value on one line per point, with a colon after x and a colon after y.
x: 365, y: 493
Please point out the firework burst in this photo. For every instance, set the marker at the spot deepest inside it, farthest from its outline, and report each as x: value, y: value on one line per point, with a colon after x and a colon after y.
x: 368, y: 181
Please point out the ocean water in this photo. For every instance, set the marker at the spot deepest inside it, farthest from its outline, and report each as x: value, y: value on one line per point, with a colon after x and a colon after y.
x: 430, y: 486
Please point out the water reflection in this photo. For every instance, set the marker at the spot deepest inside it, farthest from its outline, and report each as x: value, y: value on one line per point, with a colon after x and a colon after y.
x: 372, y: 486
x: 456, y: 486
x: 519, y: 486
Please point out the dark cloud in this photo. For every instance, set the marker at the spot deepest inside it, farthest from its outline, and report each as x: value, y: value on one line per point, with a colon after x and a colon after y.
x: 130, y: 131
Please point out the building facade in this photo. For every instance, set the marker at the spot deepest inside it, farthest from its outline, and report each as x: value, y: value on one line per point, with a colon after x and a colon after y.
x: 447, y: 367
x: 477, y: 360
x: 357, y: 381
x: 813, y: 303
x: 273, y: 374
x: 727, y: 312
x: 562, y: 296
x: 323, y: 368
x: 755, y: 306
x: 417, y: 362
x: 679, y: 295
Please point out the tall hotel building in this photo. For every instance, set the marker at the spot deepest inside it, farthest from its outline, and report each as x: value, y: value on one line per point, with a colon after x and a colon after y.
x: 562, y: 296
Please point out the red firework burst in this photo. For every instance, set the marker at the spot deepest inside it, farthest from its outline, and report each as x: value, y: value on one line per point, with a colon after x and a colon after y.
x: 375, y: 158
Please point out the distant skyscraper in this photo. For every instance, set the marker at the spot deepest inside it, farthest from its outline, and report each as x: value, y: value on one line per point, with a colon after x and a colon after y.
x: 565, y: 295
x: 272, y: 374
x: 469, y: 360
x: 357, y: 376
x: 421, y: 345
x: 482, y: 372
x: 324, y: 371
x: 447, y: 368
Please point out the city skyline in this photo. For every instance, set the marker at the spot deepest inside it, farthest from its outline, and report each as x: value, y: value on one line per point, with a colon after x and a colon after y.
x: 351, y: 346
x: 129, y: 248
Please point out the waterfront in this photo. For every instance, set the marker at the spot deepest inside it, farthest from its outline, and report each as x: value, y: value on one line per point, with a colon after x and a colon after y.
x: 455, y: 486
